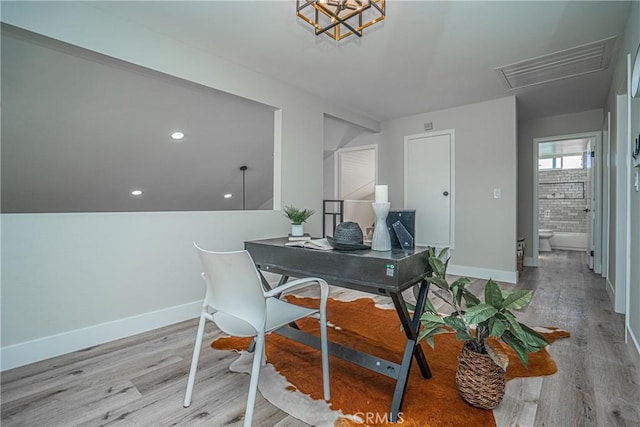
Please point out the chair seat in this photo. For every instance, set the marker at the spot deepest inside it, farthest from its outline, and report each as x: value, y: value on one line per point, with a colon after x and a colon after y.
x: 279, y: 313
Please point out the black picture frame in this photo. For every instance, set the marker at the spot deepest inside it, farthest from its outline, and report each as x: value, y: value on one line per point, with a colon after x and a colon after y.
x: 407, y: 219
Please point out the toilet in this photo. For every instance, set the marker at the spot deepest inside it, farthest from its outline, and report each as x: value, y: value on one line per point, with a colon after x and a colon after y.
x: 544, y: 237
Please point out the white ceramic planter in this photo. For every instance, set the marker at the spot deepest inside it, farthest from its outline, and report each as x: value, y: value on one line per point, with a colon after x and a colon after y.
x: 297, y: 230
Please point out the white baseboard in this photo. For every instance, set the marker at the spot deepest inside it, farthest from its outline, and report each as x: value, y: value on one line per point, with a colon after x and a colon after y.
x: 483, y: 273
x: 611, y: 291
x: 634, y: 348
x: 528, y: 261
x: 27, y: 352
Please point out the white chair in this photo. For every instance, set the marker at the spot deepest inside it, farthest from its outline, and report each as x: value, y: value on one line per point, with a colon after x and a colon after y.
x: 237, y: 303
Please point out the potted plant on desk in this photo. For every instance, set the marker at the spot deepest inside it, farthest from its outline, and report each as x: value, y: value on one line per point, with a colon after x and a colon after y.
x: 480, y: 372
x: 297, y: 217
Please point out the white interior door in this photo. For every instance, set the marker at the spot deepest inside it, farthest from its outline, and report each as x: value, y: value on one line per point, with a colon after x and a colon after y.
x: 590, y: 208
x: 429, y: 186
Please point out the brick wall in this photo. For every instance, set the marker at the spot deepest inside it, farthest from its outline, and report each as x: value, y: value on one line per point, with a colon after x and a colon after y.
x: 562, y: 197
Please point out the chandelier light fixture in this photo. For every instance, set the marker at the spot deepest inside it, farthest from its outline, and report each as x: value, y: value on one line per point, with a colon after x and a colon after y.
x: 340, y: 18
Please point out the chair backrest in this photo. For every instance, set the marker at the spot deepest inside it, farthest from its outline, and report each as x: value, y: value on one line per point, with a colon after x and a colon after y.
x: 233, y: 285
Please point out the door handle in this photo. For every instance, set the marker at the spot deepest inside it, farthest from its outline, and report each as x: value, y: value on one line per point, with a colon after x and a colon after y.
x: 446, y: 193
x: 586, y: 210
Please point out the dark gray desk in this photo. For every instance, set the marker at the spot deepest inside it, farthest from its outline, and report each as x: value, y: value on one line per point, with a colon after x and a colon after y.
x: 382, y: 273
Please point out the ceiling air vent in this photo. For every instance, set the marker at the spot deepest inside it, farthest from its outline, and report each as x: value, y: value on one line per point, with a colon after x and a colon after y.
x: 572, y: 62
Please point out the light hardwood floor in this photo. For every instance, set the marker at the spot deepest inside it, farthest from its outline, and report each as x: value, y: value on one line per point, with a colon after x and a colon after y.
x: 140, y: 381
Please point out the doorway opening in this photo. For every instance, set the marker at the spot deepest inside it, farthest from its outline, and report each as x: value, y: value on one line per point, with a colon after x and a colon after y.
x: 567, y: 186
x: 356, y: 174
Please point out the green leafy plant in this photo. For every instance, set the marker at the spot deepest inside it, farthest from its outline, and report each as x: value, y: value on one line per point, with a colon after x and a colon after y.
x: 472, y: 320
x: 297, y: 216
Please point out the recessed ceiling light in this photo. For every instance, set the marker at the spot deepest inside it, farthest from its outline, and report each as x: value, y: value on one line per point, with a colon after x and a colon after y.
x: 228, y: 196
x: 177, y: 136
x: 136, y: 193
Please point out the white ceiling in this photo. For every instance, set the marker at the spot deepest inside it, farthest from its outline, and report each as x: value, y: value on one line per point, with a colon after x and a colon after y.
x: 424, y: 56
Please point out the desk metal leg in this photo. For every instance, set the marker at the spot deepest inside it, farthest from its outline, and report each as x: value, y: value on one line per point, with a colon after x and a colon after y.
x: 265, y: 282
x: 412, y: 348
x: 418, y: 353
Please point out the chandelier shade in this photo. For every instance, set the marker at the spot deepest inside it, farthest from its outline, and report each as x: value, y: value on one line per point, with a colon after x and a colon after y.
x: 340, y: 18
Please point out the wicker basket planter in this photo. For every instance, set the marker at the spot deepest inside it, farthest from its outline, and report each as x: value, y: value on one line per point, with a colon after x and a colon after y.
x: 480, y: 381
x: 480, y: 377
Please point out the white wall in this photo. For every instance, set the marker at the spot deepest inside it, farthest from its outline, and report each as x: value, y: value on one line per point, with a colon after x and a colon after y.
x: 485, y: 143
x: 74, y: 280
x: 566, y: 124
x: 630, y: 45
x: 329, y: 178
x: 485, y: 158
x: 618, y: 259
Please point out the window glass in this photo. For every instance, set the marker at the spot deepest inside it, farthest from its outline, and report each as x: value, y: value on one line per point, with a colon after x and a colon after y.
x: 545, y: 163
x: 572, y: 162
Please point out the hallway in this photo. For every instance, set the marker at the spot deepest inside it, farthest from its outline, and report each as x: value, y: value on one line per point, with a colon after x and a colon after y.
x: 596, y: 383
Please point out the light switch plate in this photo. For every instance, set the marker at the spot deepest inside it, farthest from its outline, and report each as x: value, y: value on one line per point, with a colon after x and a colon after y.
x: 497, y: 193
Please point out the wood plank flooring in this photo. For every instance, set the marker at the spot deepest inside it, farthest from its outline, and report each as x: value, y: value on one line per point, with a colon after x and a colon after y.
x: 140, y: 380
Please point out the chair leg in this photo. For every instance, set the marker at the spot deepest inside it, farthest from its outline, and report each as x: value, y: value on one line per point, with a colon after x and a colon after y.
x: 325, y: 354
x: 194, y: 361
x: 255, y: 376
